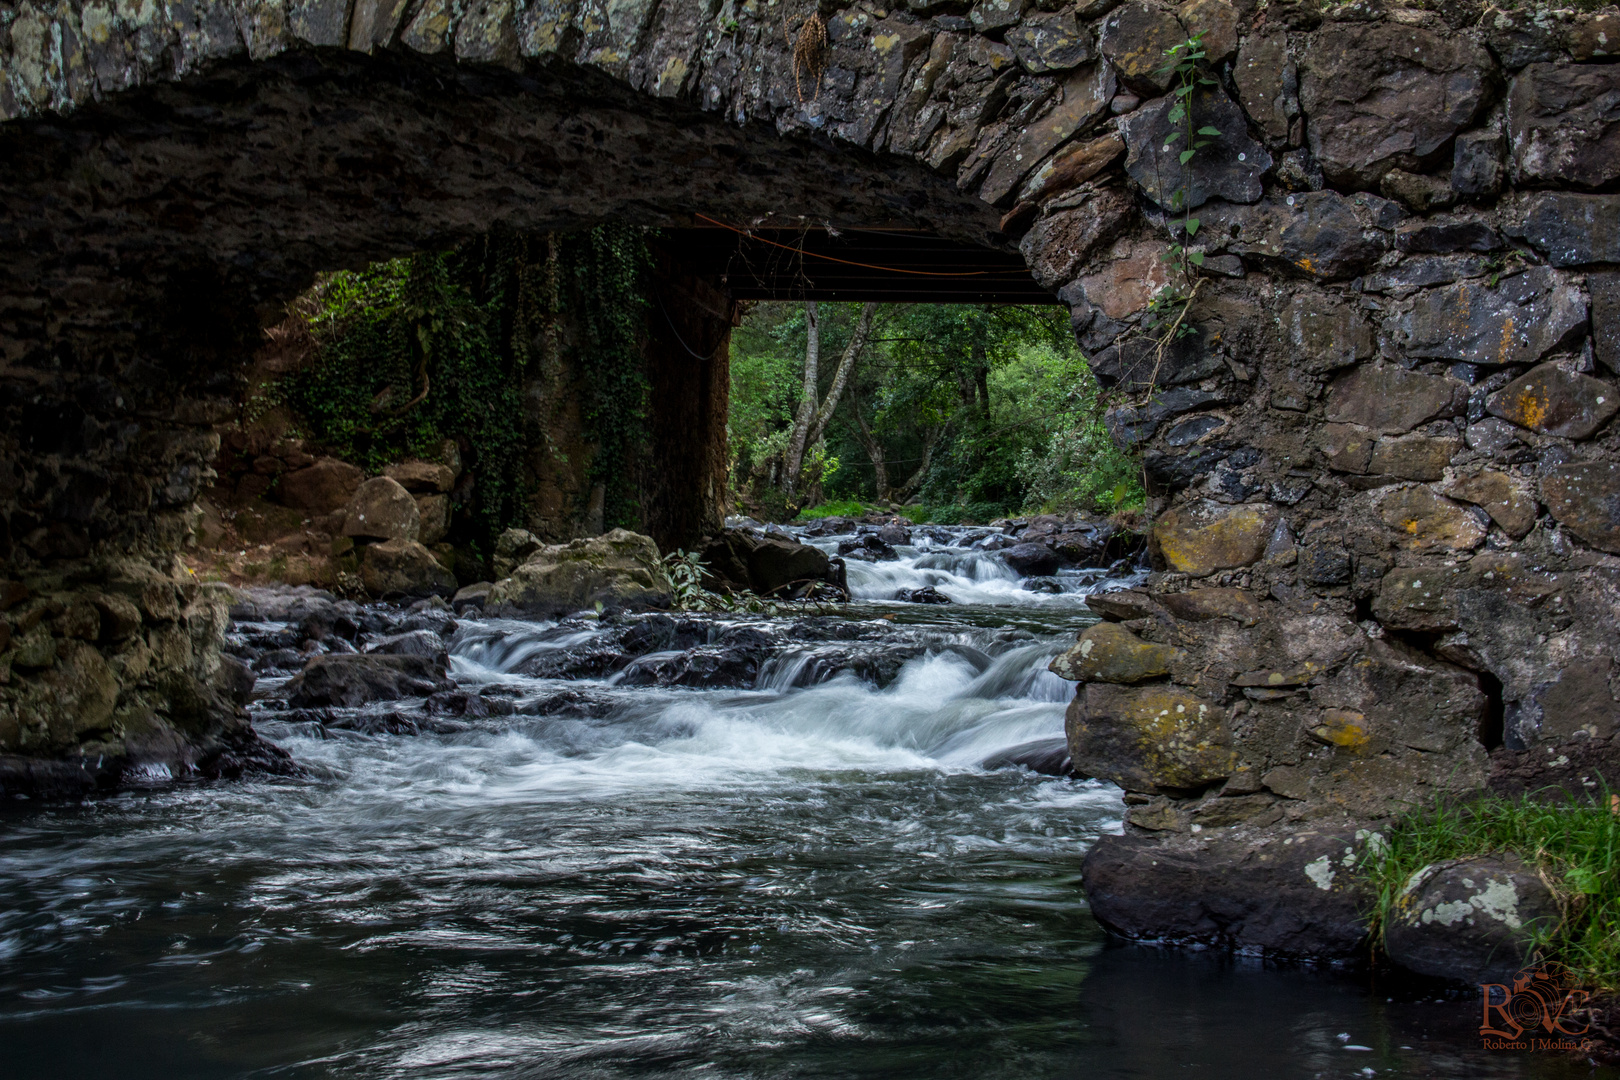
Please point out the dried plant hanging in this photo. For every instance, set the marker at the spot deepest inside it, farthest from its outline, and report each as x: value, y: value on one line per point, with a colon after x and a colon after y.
x: 809, y: 53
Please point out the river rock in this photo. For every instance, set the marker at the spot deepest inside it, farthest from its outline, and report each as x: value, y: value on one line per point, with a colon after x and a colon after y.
x: 1203, y: 537
x: 1148, y: 738
x: 1047, y: 757
x: 403, y: 568
x: 1563, y: 126
x: 1585, y: 497
x: 382, y: 510
x: 1248, y: 891
x: 894, y: 534
x: 1520, y: 320
x: 619, y: 568
x: 1107, y: 652
x: 1229, y: 168
x: 1573, y: 230
x: 781, y: 567
x: 422, y: 477
x: 424, y: 643
x: 868, y: 548
x: 513, y: 548
x: 1471, y: 920
x: 1553, y: 401
x: 352, y: 680
x: 925, y: 595
x: 322, y: 488
x: 1379, y: 96
x: 1032, y: 559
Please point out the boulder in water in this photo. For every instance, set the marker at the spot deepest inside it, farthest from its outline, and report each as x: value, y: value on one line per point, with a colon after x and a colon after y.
x: 925, y: 595
x: 1473, y: 920
x: 869, y: 548
x: 404, y: 568
x: 352, y: 680
x: 829, y: 526
x: 1032, y: 560
x: 1049, y: 757
x: 423, y: 643
x: 617, y: 569
x: 471, y: 706
x: 894, y: 533
x: 767, y: 565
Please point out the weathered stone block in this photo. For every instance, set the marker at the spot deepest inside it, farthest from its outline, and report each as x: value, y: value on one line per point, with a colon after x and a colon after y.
x: 1347, y: 447
x: 1202, y: 605
x: 1085, y: 95
x: 1107, y: 652
x: 1268, y: 84
x: 1476, y: 164
x: 323, y: 488
x: 1473, y: 920
x: 1553, y: 401
x: 1423, y: 521
x: 1572, y: 230
x: 1134, y: 39
x: 1564, y: 125
x: 421, y: 477
x: 988, y: 15
x: 382, y: 510
x: 1585, y: 496
x: 1511, y: 507
x: 402, y: 567
x: 1148, y: 738
x: 1326, y: 333
x: 1522, y: 319
x: 1595, y: 37
x: 1321, y: 233
x: 1414, y: 457
x: 1203, y: 537
x: 1055, y: 42
x: 1059, y: 245
x: 1229, y: 168
x: 1444, y: 237
x: 1416, y: 191
x: 1391, y: 400
x: 1217, y: 21
x: 1380, y: 96
x: 1605, y: 290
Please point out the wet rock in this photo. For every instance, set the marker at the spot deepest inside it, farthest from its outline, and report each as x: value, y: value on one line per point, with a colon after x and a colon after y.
x: 1229, y: 168
x: 1134, y: 39
x: 404, y: 568
x: 830, y: 526
x: 894, y: 534
x: 1051, y: 42
x: 1553, y: 401
x: 1519, y: 321
x: 1107, y: 652
x: 470, y: 706
x: 322, y: 488
x: 1203, y: 537
x: 235, y: 680
x: 1476, y: 164
x: 1148, y: 738
x: 779, y: 567
x: 869, y: 548
x: 1047, y: 757
x: 382, y: 510
x: 1421, y: 521
x: 1585, y: 497
x: 1381, y: 95
x: 1562, y: 124
x: 422, y: 477
x: 352, y: 680
x: 925, y: 595
x: 1249, y: 891
x: 1032, y: 559
x: 513, y: 548
x: 1472, y: 920
x: 1573, y: 230
x: 423, y: 643
x: 579, y: 704
x: 1322, y: 233
x: 1444, y: 237
x: 1509, y: 506
x: 619, y: 568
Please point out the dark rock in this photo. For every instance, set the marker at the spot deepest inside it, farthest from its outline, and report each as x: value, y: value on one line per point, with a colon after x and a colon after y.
x: 1229, y: 168
x: 404, y: 568
x: 1047, y: 757
x: 1379, y: 96
x: 423, y: 643
x: 1572, y: 230
x: 1417, y: 192
x: 830, y: 526
x: 1321, y: 233
x: 1421, y: 271
x: 867, y: 549
x: 1174, y: 471
x: 279, y: 660
x: 1476, y: 165
x: 422, y: 477
x: 1326, y: 333
x: 1298, y: 171
x: 1268, y: 84
x: 1054, y: 42
x: 1520, y: 320
x: 1564, y: 124
x: 1553, y: 401
x: 472, y: 595
x: 661, y: 633
x: 1445, y: 237
x: 988, y: 15
x: 1524, y: 37
x: 779, y: 567
x: 355, y: 680
x: 1059, y: 244
x: 1605, y: 290
x: 1152, y: 738
x: 1471, y: 920
x: 1134, y: 39
x: 322, y: 488
x: 580, y: 704
x: 894, y: 534
x: 1494, y: 437
x: 1191, y: 430
x: 382, y: 510
x: 470, y: 706
x: 1325, y: 563
x: 925, y: 595
x: 1032, y: 560
x: 1132, y: 424
x: 235, y: 680
x: 1247, y: 891
x: 1585, y: 496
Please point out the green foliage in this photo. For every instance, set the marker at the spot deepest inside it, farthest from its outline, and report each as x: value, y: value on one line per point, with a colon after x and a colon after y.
x: 684, y: 569
x: 836, y: 508
x: 437, y: 346
x: 1575, y: 845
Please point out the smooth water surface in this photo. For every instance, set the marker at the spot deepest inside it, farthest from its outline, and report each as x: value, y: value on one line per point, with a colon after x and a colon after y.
x: 788, y: 881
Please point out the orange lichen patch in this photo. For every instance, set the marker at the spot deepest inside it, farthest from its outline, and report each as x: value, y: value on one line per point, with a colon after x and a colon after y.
x: 1308, y: 265
x: 1529, y: 409
x: 1342, y: 727
x: 1504, y: 348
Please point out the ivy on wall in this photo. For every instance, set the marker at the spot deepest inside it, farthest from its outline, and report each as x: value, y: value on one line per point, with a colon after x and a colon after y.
x: 437, y: 346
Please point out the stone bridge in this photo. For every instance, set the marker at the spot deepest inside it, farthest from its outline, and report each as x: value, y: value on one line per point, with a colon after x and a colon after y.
x: 1381, y: 447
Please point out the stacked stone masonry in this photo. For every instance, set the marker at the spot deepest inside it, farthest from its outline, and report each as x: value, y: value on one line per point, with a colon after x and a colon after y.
x: 1383, y: 458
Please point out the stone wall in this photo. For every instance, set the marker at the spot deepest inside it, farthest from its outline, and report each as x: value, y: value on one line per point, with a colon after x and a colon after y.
x: 1383, y: 459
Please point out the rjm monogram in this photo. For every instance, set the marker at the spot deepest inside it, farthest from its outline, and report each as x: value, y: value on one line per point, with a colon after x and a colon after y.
x: 1536, y: 1000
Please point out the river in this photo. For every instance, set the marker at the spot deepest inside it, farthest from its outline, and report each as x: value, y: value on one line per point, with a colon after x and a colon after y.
x: 814, y: 876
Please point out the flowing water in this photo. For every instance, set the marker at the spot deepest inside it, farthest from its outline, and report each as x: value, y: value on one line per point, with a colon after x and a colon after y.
x: 814, y: 876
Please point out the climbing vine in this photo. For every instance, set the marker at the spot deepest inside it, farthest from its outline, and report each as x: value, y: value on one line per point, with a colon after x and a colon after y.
x: 415, y: 351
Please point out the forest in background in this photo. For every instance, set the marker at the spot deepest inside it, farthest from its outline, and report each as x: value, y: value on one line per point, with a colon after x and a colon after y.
x: 955, y: 412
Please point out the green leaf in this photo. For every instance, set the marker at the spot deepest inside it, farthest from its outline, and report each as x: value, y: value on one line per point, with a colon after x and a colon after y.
x: 1172, y: 137
x: 1197, y: 258
x: 1191, y: 225
x: 1207, y: 130
x: 1187, y: 155
x: 1183, y: 91
x: 1583, y: 879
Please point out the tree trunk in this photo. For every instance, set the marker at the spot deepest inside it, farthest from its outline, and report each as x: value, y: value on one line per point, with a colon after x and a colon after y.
x: 793, y: 456
x: 909, y: 488
x: 874, y: 450
x: 846, y: 367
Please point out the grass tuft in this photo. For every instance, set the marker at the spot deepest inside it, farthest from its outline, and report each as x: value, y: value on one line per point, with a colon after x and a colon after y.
x: 1575, y: 846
